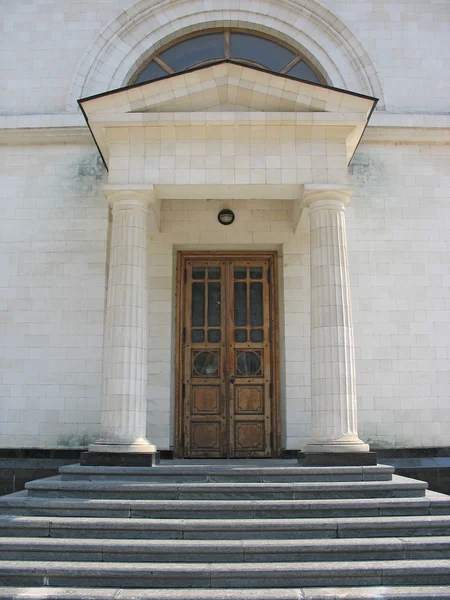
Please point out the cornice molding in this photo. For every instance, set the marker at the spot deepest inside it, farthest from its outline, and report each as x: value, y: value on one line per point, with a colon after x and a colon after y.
x: 71, y: 128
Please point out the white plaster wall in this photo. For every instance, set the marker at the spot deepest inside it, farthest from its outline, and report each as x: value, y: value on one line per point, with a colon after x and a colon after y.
x: 42, y: 45
x: 52, y: 281
x: 53, y: 234
x: 398, y: 234
x: 233, y: 155
x: 399, y: 241
x: 54, y: 225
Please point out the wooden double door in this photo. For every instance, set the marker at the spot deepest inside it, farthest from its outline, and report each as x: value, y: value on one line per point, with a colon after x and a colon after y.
x: 227, y: 361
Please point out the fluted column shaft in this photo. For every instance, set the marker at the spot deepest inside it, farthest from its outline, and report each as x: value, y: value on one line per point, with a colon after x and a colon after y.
x: 125, y: 351
x: 333, y: 391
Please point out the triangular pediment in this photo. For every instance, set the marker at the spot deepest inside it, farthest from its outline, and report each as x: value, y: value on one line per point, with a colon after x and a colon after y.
x: 228, y: 87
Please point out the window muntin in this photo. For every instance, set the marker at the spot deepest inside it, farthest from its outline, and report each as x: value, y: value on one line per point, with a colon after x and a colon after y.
x: 303, y: 71
x: 240, y: 46
x: 151, y: 71
x: 193, y: 51
x: 259, y: 50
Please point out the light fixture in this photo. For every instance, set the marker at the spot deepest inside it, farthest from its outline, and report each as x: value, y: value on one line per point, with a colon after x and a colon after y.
x: 226, y: 216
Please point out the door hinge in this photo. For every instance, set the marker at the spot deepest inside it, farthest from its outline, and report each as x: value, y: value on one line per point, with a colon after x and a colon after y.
x: 183, y: 390
x: 184, y: 335
x: 271, y: 391
x: 185, y: 275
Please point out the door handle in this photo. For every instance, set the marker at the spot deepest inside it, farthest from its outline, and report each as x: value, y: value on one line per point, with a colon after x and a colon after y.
x: 232, y: 379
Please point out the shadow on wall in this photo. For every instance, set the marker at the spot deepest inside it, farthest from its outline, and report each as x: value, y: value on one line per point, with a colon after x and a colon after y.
x: 22, y: 465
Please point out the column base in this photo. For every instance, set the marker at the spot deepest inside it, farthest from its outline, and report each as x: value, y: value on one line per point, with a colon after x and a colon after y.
x: 142, y: 447
x: 336, y: 459
x: 120, y: 459
x: 140, y: 454
x: 334, y: 447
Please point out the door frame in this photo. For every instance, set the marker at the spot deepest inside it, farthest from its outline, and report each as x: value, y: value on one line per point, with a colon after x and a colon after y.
x: 182, y: 257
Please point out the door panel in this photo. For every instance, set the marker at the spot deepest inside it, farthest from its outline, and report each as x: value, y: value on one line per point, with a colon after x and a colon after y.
x: 204, y: 360
x: 249, y: 359
x: 226, y: 309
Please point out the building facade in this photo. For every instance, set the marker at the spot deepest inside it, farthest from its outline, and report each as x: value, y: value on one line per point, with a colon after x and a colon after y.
x: 133, y: 318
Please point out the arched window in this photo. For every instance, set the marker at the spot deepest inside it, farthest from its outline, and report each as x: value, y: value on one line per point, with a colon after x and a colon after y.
x: 238, y: 45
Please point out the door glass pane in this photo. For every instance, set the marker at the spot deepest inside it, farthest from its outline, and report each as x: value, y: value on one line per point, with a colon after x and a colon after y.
x: 214, y: 272
x: 240, y: 304
x: 259, y: 50
x: 256, y: 303
x: 248, y: 363
x: 302, y: 71
x: 214, y: 336
x: 198, y: 304
x: 214, y: 306
x: 240, y: 335
x: 197, y: 336
x: 206, y: 363
x: 194, y: 50
x: 240, y: 272
x: 198, y: 272
x: 256, y: 335
x: 256, y: 272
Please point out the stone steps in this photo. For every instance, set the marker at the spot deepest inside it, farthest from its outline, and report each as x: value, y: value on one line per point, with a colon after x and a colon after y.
x: 20, y: 503
x: 226, y: 474
x: 226, y: 575
x: 220, y: 532
x: 348, y: 593
x: 399, y: 487
x: 219, y: 529
x: 224, y: 551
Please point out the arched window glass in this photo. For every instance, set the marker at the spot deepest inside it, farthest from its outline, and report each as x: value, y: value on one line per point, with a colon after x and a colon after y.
x: 194, y: 51
x: 260, y: 51
x: 240, y: 46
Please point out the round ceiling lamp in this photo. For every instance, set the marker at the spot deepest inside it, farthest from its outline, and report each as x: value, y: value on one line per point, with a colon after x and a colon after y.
x: 226, y: 216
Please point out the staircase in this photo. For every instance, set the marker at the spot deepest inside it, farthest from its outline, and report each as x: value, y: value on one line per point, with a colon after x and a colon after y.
x: 257, y: 530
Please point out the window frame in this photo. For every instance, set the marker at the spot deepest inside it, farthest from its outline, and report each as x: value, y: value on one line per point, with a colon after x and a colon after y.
x: 298, y: 55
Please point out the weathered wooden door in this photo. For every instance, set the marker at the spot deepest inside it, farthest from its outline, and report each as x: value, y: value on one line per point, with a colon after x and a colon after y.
x: 227, y: 359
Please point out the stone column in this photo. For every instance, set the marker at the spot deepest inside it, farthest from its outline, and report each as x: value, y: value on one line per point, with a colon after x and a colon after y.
x: 125, y: 351
x: 333, y: 393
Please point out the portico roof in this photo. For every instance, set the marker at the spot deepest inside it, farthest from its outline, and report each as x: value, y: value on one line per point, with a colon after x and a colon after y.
x: 229, y: 94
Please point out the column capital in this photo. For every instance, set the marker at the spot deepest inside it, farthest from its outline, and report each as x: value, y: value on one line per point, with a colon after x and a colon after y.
x: 129, y: 196
x: 326, y: 195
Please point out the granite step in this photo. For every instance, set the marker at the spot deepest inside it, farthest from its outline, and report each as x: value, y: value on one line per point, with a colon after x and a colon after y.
x: 225, y: 575
x: 399, y: 487
x: 224, y: 551
x: 20, y: 503
x: 427, y: 592
x: 223, y: 532
x: 226, y: 474
x: 219, y: 529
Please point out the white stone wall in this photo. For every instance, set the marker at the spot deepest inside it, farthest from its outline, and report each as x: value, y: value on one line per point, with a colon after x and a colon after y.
x: 399, y: 251
x: 43, y: 45
x: 53, y: 230
x: 398, y: 226
x: 204, y: 155
x: 54, y: 222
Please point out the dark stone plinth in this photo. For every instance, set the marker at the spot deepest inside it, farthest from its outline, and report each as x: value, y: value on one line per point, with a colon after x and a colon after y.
x: 337, y: 459
x: 119, y: 459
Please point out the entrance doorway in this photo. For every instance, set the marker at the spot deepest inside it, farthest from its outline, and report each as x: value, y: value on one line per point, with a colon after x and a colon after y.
x: 227, y: 372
